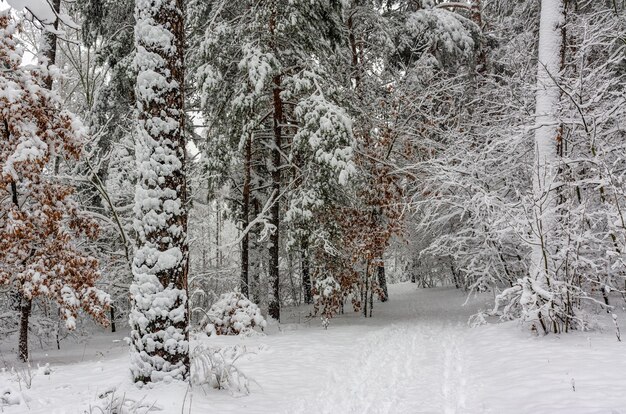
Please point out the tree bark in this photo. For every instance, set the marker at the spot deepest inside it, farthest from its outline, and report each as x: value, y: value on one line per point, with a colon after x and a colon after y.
x: 274, y: 273
x: 160, y: 314
x: 112, y: 310
x: 306, y: 277
x: 277, y: 117
x: 547, y: 131
x: 25, y: 310
x: 382, y: 282
x: 49, y: 43
x: 547, y: 135
x: 245, y: 219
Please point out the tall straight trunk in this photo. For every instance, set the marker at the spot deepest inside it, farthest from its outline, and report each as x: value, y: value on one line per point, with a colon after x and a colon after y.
x: 245, y: 218
x: 255, y: 263
x: 160, y: 314
x: 306, y: 277
x: 366, y: 289
x: 546, y: 134
x: 218, y: 226
x: 277, y: 117
x: 274, y: 274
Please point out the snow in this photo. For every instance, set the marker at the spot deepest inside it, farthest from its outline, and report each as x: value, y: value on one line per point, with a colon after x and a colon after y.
x: 41, y: 9
x: 417, y: 355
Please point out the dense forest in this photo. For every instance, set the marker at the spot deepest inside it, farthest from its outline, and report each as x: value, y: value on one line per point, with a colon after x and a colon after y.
x: 178, y: 168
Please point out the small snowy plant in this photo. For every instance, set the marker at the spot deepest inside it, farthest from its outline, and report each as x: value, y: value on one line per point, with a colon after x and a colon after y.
x: 234, y: 314
x: 327, y: 297
x: 215, y: 367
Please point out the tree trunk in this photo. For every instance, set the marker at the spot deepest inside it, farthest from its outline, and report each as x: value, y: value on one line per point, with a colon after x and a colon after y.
x: 547, y: 135
x: 255, y: 262
x: 274, y: 274
x: 306, y: 277
x: 49, y: 43
x: 245, y: 218
x: 218, y: 225
x: 547, y: 132
x: 366, y: 289
x: 477, y: 17
x: 112, y: 310
x: 277, y: 117
x: 26, y: 306
x: 160, y: 313
x: 382, y: 282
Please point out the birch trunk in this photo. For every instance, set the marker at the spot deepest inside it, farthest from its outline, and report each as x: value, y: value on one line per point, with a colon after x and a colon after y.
x: 546, y: 133
x: 538, y: 298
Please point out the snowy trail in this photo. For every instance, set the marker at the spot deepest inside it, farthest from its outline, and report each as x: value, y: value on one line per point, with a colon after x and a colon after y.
x: 415, y: 356
x: 411, y: 367
x: 402, y: 368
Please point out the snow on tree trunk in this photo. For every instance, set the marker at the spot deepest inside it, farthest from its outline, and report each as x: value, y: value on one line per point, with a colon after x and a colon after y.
x: 546, y: 135
x: 274, y: 249
x: 159, y: 316
x: 274, y: 265
x: 245, y: 215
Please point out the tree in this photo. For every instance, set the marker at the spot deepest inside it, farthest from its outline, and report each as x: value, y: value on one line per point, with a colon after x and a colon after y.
x: 159, y: 317
x: 547, y: 135
x: 262, y: 108
x: 41, y: 225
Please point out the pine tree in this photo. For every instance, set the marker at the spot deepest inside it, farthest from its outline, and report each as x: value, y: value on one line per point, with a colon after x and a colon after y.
x: 278, y: 92
x: 159, y: 317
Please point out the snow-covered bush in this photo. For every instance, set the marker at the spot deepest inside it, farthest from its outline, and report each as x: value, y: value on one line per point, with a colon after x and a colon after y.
x: 233, y: 314
x: 10, y: 396
x: 215, y: 367
x: 327, y: 297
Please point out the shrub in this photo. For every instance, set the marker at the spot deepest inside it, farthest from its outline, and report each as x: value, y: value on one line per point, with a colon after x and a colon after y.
x: 233, y: 314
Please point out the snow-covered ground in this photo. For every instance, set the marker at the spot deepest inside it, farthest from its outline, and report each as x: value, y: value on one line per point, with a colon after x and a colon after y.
x: 417, y: 355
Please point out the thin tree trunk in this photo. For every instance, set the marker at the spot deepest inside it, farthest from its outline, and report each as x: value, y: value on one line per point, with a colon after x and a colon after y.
x: 25, y: 303
x: 274, y: 273
x: 382, y: 282
x: 277, y: 116
x: 49, y: 43
x: 218, y: 234
x: 255, y: 287
x: 25, y: 309
x: 306, y: 277
x: 112, y: 311
x: 245, y: 218
x: 366, y: 289
x: 477, y: 17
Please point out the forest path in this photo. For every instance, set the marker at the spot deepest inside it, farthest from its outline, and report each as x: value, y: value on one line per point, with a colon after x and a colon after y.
x: 414, y: 364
